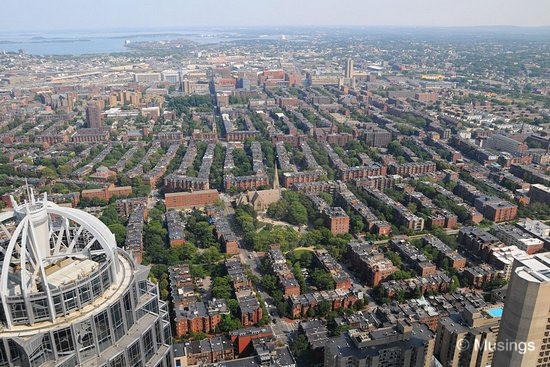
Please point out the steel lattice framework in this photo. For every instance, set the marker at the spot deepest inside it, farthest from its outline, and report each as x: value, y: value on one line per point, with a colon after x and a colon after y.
x: 46, y: 234
x: 70, y: 297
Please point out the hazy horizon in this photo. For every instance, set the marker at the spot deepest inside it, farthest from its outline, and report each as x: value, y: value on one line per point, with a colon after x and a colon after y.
x: 34, y: 15
x: 222, y: 28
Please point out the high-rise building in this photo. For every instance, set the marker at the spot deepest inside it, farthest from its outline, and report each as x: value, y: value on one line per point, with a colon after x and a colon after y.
x: 399, y: 345
x: 349, y: 69
x: 539, y: 193
x: 461, y: 339
x: 377, y: 137
x: 524, y: 337
x: 171, y: 76
x: 71, y: 297
x: 505, y: 143
x: 147, y: 78
x: 93, y: 118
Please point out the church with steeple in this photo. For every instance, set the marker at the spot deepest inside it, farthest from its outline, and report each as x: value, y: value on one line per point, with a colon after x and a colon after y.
x: 261, y: 199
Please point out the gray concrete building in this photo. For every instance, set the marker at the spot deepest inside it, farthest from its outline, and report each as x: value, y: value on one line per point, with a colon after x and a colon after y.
x: 524, y: 337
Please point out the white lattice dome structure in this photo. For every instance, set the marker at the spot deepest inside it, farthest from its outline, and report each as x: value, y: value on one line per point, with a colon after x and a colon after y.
x: 70, y: 297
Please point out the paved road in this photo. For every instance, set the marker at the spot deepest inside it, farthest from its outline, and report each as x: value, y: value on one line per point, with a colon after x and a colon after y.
x: 264, y: 219
x: 153, y: 199
x: 281, y: 329
x: 447, y: 232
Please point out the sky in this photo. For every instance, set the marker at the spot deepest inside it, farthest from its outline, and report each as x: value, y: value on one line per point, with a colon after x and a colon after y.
x: 33, y: 15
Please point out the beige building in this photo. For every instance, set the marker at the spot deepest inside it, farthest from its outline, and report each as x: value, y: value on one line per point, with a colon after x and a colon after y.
x: 525, y: 327
x: 261, y: 199
x: 468, y: 338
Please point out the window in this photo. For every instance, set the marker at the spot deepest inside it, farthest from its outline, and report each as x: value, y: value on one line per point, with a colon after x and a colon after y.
x: 43, y: 353
x: 128, y: 309
x: 85, y: 294
x: 70, y: 300
x: 19, y: 311
x: 37, y: 357
x: 118, y: 321
x: 134, y: 355
x: 118, y: 361
x: 106, y: 278
x: 103, y: 331
x: 148, y: 345
x: 40, y: 309
x: 85, y: 339
x: 14, y: 350
x: 152, y: 306
x: 3, y: 356
x: 135, y: 293
x: 140, y: 313
x: 96, y: 287
x: 158, y: 334
x: 142, y: 287
x: 64, y: 342
x: 167, y: 335
x: 58, y: 305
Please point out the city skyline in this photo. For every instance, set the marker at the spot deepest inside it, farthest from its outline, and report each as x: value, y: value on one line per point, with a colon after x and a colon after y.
x: 31, y: 15
x: 290, y: 184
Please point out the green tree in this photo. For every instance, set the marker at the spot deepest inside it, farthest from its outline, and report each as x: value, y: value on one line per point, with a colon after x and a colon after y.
x: 356, y: 225
x: 395, y: 258
x: 48, y: 172
x: 322, y: 279
x: 110, y: 216
x: 323, y: 308
x: 278, y: 210
x: 299, y: 346
x: 229, y: 323
x: 154, y: 234
x: 65, y: 170
x: 455, y: 284
x: 269, y: 282
x: 326, y: 197
x: 198, y: 335
x: 297, y: 214
x: 233, y: 306
x: 401, y: 274
x: 119, y: 231
x: 210, y: 256
x: 221, y: 288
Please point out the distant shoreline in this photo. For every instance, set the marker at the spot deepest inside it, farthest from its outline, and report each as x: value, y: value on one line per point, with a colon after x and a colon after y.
x: 88, y: 42
x: 2, y: 42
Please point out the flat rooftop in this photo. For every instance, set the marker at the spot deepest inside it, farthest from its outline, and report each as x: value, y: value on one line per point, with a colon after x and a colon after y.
x: 535, y: 268
x: 71, y: 271
x: 177, y: 194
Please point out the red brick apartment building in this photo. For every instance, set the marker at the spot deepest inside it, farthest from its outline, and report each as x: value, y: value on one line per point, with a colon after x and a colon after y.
x: 370, y: 263
x: 107, y: 192
x: 358, y: 172
x: 290, y: 178
x: 187, y: 200
x: 250, y: 309
x: 336, y: 220
x: 300, y: 305
x: 243, y: 183
x: 242, y: 338
x: 199, y: 317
